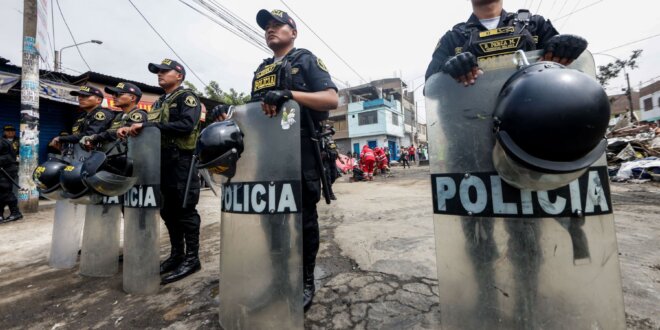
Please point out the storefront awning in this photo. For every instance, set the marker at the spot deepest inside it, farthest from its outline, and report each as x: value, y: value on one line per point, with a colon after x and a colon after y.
x: 7, y: 81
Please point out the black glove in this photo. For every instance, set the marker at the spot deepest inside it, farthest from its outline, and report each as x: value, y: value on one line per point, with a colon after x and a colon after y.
x: 278, y: 97
x: 460, y: 65
x: 566, y: 46
x: 217, y: 111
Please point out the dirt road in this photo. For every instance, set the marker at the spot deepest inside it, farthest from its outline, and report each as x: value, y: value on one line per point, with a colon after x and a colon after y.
x: 376, y: 267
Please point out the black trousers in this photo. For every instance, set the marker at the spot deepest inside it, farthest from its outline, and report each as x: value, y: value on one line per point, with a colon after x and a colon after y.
x: 7, y: 196
x: 182, y: 223
x: 311, y: 194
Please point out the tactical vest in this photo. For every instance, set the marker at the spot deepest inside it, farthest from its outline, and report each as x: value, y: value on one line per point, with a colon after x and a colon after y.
x: 274, y: 76
x: 121, y: 120
x: 79, y: 124
x: 161, y: 114
x: 15, y: 146
x: 502, y: 40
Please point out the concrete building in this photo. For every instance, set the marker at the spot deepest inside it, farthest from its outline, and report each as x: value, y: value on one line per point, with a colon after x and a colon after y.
x: 380, y: 113
x: 619, y: 103
x: 649, y: 98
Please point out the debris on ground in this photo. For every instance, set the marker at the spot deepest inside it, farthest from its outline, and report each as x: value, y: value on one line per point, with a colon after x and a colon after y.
x: 633, y: 150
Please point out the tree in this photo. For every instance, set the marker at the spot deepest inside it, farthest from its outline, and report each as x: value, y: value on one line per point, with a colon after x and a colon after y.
x: 612, y: 70
x: 214, y: 92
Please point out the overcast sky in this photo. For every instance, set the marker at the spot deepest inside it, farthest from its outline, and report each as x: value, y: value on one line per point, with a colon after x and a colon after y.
x: 380, y: 39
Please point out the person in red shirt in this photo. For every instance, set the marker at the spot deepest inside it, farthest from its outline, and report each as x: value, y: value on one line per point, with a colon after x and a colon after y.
x: 367, y: 160
x: 411, y: 153
x: 381, y: 159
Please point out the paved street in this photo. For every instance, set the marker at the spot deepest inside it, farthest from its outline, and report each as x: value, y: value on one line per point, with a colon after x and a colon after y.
x: 376, y: 267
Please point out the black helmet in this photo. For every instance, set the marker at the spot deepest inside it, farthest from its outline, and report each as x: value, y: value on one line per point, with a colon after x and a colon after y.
x: 108, y: 175
x: 219, y: 146
x: 72, y: 181
x: 47, y: 177
x: 549, y: 125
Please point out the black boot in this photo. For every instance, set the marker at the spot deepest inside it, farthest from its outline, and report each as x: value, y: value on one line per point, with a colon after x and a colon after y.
x: 176, y: 255
x: 190, y: 263
x: 15, y: 212
x: 308, y: 286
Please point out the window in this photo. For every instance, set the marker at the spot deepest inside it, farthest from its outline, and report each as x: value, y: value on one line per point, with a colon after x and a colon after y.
x: 368, y: 118
x: 395, y: 119
x: 648, y: 104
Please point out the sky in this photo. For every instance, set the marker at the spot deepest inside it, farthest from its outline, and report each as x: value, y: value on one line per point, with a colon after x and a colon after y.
x: 379, y: 39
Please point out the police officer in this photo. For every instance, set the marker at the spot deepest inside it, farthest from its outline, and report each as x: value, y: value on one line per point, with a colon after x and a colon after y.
x: 177, y: 115
x: 9, y: 134
x: 299, y: 76
x: 126, y: 97
x: 93, y: 120
x: 9, y: 174
x: 491, y: 31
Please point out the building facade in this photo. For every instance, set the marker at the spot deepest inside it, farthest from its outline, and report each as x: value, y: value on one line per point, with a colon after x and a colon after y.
x: 380, y: 113
x: 649, y: 99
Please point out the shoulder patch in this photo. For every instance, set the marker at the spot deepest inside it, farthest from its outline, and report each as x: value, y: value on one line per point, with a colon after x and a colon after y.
x: 99, y: 115
x: 321, y: 65
x: 190, y: 101
x: 136, y: 117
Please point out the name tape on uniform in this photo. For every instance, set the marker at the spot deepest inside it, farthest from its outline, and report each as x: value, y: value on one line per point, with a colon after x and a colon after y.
x: 143, y: 196
x: 487, y: 195
x: 269, y: 197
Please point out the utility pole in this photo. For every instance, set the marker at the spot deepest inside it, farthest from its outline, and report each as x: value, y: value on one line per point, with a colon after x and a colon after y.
x: 28, y: 196
x: 630, y: 101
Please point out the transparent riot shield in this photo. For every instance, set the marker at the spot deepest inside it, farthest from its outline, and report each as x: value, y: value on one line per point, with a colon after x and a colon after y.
x: 509, y: 258
x: 100, y: 243
x: 67, y: 227
x: 141, y: 215
x: 261, y: 231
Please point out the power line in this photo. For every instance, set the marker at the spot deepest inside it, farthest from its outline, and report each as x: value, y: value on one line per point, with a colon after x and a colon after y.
x: 250, y: 41
x: 568, y: 16
x: 167, y: 44
x: 554, y: 2
x: 538, y: 8
x: 583, y: 8
x: 561, y: 9
x: 236, y: 25
x: 52, y: 23
x: 325, y: 43
x: 629, y: 43
x: 70, y: 33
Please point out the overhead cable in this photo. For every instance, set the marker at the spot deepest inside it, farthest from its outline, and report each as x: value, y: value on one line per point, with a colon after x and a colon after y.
x: 167, y: 44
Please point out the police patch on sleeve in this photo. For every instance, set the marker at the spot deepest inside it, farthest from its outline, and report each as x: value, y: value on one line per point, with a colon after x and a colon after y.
x: 321, y: 65
x: 136, y: 117
x: 99, y: 116
x: 190, y: 101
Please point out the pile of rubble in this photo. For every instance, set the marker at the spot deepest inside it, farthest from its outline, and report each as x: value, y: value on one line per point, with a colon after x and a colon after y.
x: 633, y: 151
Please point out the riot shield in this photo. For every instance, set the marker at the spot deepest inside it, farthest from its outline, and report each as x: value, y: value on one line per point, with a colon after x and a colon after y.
x: 509, y: 258
x: 100, y: 242
x: 261, y: 231
x: 141, y: 217
x: 67, y: 227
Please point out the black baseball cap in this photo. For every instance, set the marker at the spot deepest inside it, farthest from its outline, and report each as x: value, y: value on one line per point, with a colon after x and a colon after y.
x: 264, y: 16
x: 9, y: 128
x: 85, y: 90
x: 124, y: 87
x: 167, y: 64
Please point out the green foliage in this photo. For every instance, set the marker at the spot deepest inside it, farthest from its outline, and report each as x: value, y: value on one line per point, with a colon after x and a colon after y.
x: 612, y: 70
x: 214, y: 92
